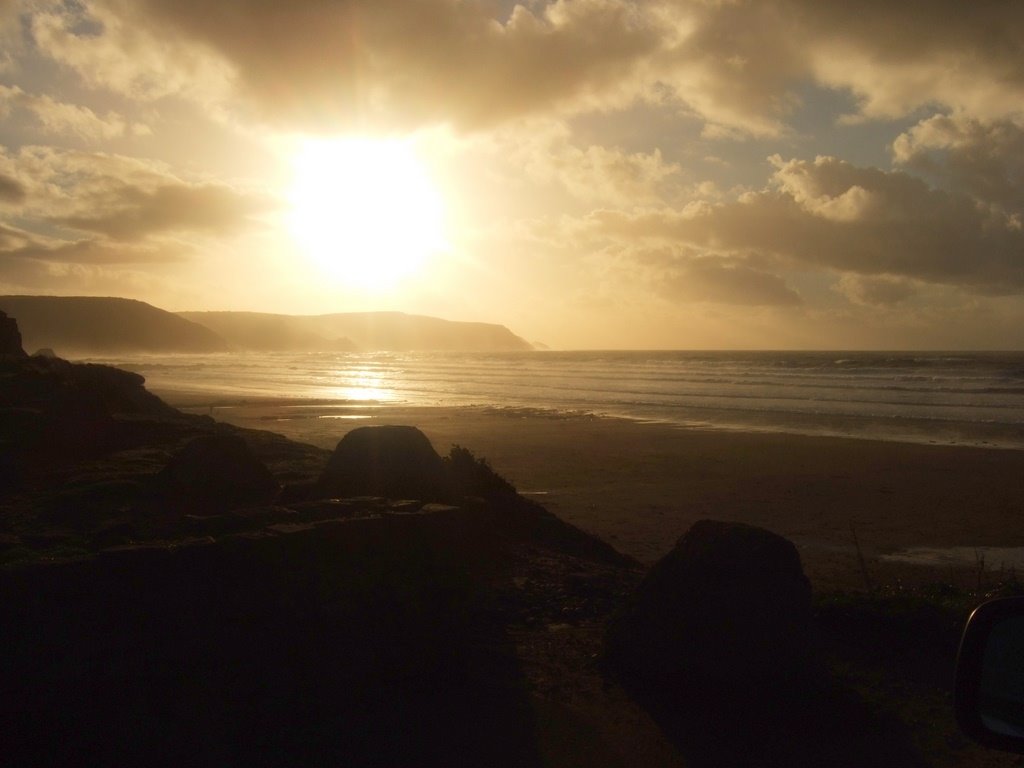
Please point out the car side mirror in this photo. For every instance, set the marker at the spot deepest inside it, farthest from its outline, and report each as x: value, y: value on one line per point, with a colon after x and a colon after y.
x: 989, y: 692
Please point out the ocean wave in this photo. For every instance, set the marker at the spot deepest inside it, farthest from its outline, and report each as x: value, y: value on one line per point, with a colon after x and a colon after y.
x: 858, y: 391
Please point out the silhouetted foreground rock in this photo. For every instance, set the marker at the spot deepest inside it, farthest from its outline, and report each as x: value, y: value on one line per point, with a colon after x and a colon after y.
x: 54, y: 413
x: 59, y: 389
x: 344, y: 642
x: 147, y: 622
x: 10, y: 337
x: 729, y: 602
x: 715, y: 644
x: 215, y: 473
x: 393, y: 461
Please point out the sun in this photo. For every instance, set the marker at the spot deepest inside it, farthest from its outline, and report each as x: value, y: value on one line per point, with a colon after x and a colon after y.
x: 365, y: 210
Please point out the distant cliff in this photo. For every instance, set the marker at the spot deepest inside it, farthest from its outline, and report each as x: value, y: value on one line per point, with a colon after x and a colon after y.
x: 260, y: 331
x: 85, y: 324
x: 367, y: 331
x: 80, y: 324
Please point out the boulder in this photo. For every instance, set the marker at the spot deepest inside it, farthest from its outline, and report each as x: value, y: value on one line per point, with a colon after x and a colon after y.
x: 10, y: 337
x: 215, y: 473
x: 730, y: 603
x: 391, y: 461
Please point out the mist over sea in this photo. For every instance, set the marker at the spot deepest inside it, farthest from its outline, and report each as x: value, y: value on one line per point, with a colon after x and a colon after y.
x: 963, y: 398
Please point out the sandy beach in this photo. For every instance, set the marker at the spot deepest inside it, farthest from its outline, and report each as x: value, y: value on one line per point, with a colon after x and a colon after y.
x: 640, y: 486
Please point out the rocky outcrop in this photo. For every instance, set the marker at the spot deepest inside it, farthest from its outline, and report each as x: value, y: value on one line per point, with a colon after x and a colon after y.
x: 392, y: 461
x: 10, y: 337
x: 164, y: 613
x: 215, y: 473
x: 54, y: 413
x: 48, y: 384
x: 729, y: 602
x: 340, y: 643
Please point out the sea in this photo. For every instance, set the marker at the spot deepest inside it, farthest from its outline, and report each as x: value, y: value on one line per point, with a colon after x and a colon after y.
x: 966, y: 398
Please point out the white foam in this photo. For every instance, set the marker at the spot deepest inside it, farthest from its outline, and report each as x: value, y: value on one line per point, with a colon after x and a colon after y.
x: 994, y: 558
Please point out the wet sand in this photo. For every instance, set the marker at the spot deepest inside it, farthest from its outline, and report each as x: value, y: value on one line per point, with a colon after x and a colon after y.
x: 640, y: 486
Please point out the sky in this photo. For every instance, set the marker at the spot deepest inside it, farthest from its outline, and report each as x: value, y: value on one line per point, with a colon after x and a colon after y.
x: 780, y: 174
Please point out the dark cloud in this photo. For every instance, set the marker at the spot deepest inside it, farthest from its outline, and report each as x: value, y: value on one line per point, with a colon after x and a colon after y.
x: 130, y: 207
x: 830, y: 214
x: 11, y: 190
x: 42, y: 277
x: 336, y: 64
x: 737, y: 65
x: 378, y: 63
x: 742, y: 63
x: 990, y: 32
x: 876, y: 291
x: 719, y: 281
x: 11, y: 237
x: 984, y: 159
x: 18, y: 245
x: 93, y: 252
x: 135, y: 214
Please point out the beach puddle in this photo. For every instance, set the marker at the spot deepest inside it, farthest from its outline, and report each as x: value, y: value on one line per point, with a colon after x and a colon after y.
x: 993, y: 558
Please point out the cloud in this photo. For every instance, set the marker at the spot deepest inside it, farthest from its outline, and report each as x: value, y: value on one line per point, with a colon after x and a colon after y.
x: 403, y: 63
x: 93, y: 252
x: 107, y: 46
x: 875, y: 291
x: 33, y: 276
x: 18, y: 245
x: 57, y: 117
x: 546, y: 155
x: 355, y: 62
x: 98, y: 222
x: 896, y: 57
x: 607, y: 174
x: 833, y: 215
x: 134, y: 214
x: 733, y: 63
x: 11, y: 190
x: 984, y: 159
x: 123, y: 198
x: 722, y: 281
x: 741, y: 64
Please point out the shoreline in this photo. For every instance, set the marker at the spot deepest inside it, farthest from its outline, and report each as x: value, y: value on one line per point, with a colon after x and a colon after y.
x: 640, y: 485
x: 925, y: 433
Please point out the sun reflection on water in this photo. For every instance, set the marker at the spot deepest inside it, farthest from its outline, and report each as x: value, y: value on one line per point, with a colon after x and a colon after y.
x: 360, y: 385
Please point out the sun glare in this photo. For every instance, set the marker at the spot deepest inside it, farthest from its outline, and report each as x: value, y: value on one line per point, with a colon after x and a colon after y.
x: 365, y: 210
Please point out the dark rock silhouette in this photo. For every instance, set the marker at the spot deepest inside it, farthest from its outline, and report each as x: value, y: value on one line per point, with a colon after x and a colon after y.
x: 466, y: 475
x: 348, y: 642
x: 392, y: 461
x: 56, y: 388
x: 54, y: 415
x: 363, y: 631
x: 45, y: 352
x: 10, y: 337
x: 729, y: 602
x: 215, y: 473
x: 715, y: 644
x: 52, y: 411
